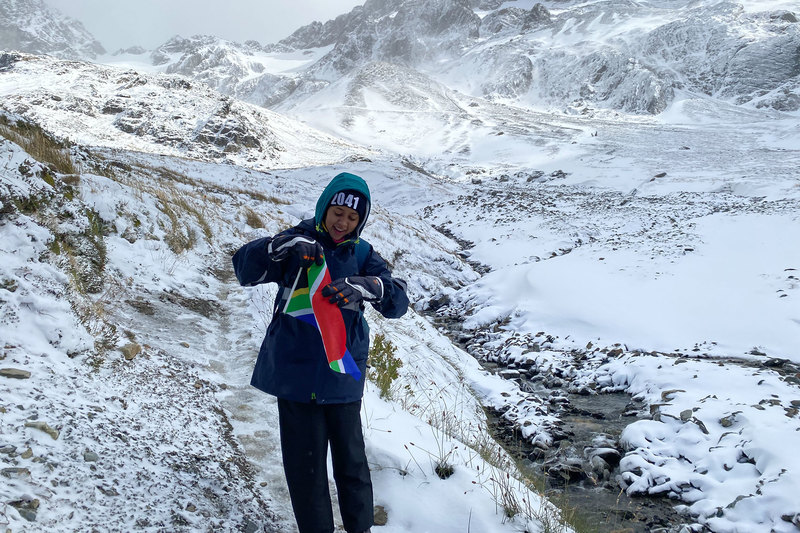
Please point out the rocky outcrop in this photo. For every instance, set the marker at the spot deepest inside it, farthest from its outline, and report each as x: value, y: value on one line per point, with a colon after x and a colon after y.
x: 714, y: 54
x: 412, y: 32
x: 515, y: 20
x: 14, y: 373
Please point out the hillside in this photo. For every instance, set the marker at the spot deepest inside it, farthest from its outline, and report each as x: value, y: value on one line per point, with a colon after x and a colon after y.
x: 130, y: 347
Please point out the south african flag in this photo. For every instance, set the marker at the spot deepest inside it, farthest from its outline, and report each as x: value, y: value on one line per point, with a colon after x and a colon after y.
x: 308, y: 304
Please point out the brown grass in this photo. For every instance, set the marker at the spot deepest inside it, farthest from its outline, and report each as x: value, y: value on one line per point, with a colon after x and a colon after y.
x: 39, y: 144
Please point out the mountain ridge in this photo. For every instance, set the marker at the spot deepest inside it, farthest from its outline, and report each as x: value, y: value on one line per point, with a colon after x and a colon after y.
x: 634, y: 57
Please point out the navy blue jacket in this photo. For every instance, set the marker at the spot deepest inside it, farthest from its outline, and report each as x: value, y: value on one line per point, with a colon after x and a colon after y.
x: 291, y: 363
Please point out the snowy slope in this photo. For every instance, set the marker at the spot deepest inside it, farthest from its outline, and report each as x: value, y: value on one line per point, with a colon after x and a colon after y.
x: 122, y: 108
x: 127, y: 349
x: 660, y: 261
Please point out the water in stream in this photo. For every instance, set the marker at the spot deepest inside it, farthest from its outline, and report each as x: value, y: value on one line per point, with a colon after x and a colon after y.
x: 599, y: 505
x: 590, y: 425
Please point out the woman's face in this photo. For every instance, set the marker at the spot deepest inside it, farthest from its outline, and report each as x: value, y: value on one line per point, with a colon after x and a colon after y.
x: 340, y: 221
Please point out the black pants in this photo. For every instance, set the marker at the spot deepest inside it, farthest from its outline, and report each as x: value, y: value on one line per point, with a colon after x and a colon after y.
x: 306, y: 430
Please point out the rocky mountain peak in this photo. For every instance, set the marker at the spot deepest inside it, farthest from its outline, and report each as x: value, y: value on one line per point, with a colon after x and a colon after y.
x: 514, y: 20
x: 614, y: 54
x: 389, y: 29
x: 34, y: 27
x: 402, y: 31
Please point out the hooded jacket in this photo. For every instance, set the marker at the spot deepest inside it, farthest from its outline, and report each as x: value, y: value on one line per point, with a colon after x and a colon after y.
x: 291, y: 363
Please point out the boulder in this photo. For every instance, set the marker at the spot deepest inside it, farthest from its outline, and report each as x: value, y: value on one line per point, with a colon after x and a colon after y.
x: 14, y: 373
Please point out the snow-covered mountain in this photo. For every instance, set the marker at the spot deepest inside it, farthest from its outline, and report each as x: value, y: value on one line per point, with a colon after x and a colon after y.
x: 33, y: 26
x: 563, y: 55
x: 368, y: 74
x: 630, y: 56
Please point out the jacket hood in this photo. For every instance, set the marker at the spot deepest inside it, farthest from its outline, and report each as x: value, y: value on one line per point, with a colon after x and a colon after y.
x: 341, y: 182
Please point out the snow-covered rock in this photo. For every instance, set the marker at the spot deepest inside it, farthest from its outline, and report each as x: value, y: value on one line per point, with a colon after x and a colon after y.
x: 93, y: 104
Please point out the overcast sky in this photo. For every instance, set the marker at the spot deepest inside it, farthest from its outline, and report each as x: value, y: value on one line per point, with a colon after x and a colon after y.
x: 149, y: 23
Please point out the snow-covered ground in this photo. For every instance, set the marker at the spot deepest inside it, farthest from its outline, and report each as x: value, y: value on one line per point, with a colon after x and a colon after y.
x: 132, y: 406
x: 661, y: 260
x: 674, y: 243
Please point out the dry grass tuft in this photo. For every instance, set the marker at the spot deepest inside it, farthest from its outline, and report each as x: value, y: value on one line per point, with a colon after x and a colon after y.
x: 39, y: 144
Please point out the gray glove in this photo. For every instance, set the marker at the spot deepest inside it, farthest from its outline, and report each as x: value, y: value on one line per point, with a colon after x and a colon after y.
x: 352, y: 291
x: 304, y: 249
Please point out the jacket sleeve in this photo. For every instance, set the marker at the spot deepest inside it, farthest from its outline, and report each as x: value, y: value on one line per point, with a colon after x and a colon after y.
x: 394, y: 303
x: 253, y: 265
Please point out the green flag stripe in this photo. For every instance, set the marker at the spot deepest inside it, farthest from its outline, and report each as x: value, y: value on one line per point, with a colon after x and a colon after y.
x: 299, y: 301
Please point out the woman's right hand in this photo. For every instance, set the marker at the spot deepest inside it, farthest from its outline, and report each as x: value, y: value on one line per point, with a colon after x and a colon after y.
x: 304, y: 249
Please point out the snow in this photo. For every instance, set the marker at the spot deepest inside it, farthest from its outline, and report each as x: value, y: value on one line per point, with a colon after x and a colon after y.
x: 699, y: 296
x: 723, y: 462
x: 664, y: 251
x: 274, y: 63
x: 155, y: 124
x: 288, y: 62
x: 199, y: 336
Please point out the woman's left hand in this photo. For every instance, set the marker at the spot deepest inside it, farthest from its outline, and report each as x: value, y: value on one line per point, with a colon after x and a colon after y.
x: 350, y: 292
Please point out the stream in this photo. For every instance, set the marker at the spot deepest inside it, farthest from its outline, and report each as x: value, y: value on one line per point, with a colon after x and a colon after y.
x: 590, y: 427
x: 579, y: 470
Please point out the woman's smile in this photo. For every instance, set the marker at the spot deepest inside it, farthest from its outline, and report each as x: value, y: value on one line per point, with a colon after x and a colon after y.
x: 340, y: 222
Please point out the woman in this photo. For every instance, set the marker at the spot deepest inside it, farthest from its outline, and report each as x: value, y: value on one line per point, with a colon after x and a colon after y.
x: 319, y: 402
